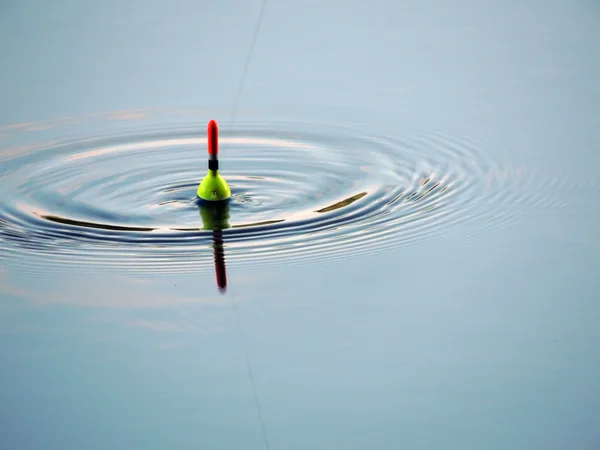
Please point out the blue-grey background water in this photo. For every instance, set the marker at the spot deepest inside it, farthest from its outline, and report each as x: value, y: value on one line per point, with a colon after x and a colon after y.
x: 474, y: 328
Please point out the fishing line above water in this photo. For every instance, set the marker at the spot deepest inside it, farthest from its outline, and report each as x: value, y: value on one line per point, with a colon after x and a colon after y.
x: 247, y: 63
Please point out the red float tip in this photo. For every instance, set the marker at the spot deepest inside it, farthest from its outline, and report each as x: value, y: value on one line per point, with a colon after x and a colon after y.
x: 213, y: 138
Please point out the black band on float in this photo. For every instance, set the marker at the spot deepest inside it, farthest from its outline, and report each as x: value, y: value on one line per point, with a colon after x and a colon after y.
x: 213, y: 164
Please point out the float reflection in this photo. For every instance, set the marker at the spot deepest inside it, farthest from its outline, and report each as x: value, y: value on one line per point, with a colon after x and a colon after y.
x: 215, y: 218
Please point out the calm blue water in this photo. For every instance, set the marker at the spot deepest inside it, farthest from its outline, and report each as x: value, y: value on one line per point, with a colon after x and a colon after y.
x: 428, y: 276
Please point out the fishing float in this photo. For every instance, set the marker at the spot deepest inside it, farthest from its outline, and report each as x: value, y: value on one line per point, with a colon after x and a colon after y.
x: 213, y: 187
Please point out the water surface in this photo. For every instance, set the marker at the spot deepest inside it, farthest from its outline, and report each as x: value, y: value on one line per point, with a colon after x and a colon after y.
x: 410, y: 251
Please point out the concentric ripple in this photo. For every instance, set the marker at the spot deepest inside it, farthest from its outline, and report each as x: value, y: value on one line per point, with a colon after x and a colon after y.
x: 130, y: 200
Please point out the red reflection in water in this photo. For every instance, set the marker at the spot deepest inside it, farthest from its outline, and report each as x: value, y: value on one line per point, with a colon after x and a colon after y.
x: 219, y: 254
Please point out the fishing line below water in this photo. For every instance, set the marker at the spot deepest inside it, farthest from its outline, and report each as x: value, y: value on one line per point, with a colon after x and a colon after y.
x: 250, y: 375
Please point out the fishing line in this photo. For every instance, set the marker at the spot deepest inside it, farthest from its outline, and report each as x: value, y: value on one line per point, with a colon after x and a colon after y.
x: 248, y: 58
x: 237, y: 318
x: 250, y: 376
